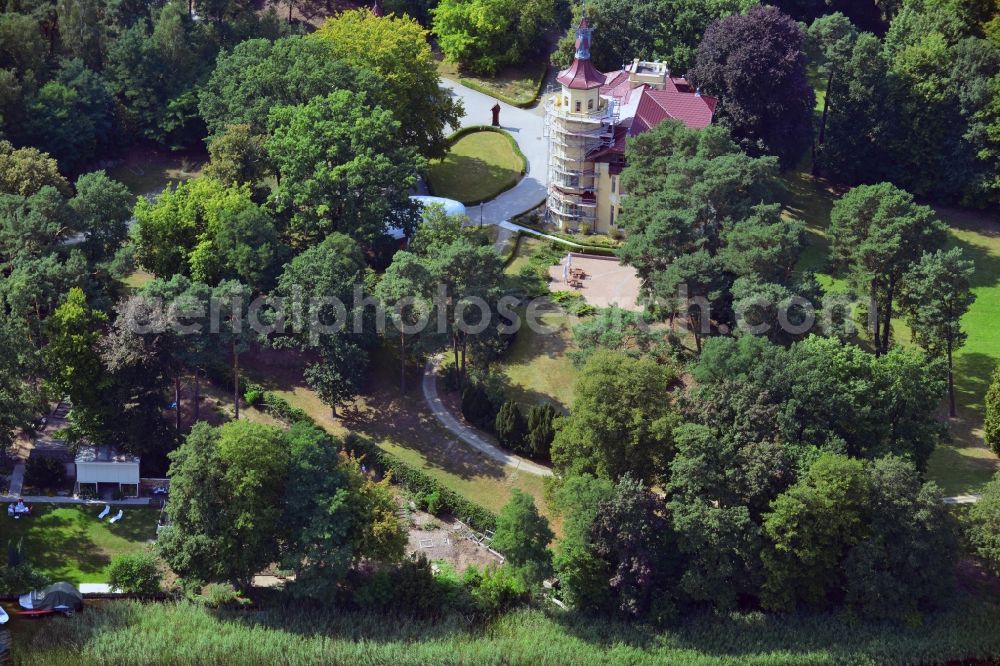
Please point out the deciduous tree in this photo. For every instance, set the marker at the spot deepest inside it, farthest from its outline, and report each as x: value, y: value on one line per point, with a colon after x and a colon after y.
x: 523, y: 536
x: 101, y: 208
x: 341, y: 167
x: 631, y: 434
x: 755, y: 64
x: 25, y: 171
x: 810, y: 529
x: 396, y: 50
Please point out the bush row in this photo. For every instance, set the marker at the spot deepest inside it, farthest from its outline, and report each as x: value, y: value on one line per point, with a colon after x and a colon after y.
x: 409, y: 477
x: 422, y: 484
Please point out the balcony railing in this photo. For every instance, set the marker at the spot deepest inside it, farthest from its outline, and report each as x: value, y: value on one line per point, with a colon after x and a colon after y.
x: 601, y: 114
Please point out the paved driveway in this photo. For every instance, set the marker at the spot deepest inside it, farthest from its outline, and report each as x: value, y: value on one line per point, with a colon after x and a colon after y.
x: 525, y: 125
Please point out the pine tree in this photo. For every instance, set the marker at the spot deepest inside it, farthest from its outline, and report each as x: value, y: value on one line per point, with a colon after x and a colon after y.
x: 540, y: 429
x: 935, y: 297
x: 511, y: 427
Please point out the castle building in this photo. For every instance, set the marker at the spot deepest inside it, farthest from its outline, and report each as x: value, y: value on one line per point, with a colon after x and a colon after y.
x: 588, y: 122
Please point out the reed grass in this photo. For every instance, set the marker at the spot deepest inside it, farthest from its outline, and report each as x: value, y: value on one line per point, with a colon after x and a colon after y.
x: 129, y: 632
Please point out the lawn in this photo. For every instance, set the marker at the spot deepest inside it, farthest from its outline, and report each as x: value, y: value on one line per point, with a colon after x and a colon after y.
x: 537, y: 365
x: 403, y: 426
x: 965, y: 464
x: 68, y: 542
x: 478, y: 167
x: 518, y: 86
x: 148, y: 171
x: 138, y: 279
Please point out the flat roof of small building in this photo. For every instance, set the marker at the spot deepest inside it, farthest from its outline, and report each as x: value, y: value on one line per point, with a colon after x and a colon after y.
x: 90, y: 453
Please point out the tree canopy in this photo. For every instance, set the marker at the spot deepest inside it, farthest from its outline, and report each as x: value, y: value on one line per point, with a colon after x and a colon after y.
x: 396, y: 51
x: 341, y: 167
x: 487, y: 35
x: 755, y: 64
x: 628, y: 435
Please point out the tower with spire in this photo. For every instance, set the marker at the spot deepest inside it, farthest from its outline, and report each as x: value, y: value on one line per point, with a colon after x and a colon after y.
x: 578, y: 121
x: 588, y: 124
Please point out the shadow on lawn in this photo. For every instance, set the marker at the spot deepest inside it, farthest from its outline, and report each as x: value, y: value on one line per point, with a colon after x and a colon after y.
x: 973, y: 372
x: 380, y: 414
x: 56, y: 543
x: 470, y: 179
x: 987, y: 272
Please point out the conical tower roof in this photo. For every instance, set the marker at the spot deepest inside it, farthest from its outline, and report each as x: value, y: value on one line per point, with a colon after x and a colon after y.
x: 582, y: 75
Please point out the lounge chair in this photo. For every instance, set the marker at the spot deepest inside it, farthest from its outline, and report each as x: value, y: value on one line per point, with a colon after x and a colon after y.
x: 118, y: 516
x: 104, y: 514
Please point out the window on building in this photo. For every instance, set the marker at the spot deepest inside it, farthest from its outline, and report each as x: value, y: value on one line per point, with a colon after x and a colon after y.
x: 611, y: 217
x: 578, y: 105
x: 590, y: 104
x: 614, y: 181
x: 565, y: 101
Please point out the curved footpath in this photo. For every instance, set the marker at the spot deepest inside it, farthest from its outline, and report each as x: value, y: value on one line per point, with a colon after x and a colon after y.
x: 470, y: 435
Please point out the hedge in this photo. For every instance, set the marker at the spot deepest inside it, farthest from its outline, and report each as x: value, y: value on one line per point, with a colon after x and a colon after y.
x: 414, y: 480
x: 420, y: 483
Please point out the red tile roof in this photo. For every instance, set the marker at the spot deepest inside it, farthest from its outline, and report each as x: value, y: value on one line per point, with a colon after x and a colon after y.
x: 605, y: 153
x: 655, y: 106
x: 616, y: 85
x: 581, y: 75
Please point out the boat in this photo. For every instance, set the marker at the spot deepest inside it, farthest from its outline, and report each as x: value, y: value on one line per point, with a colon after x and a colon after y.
x: 56, y: 598
x: 3, y: 616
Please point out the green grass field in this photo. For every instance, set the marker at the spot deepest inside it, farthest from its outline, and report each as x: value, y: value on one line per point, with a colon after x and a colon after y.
x: 965, y: 464
x: 68, y: 542
x: 537, y: 365
x: 145, y: 171
x: 479, y: 166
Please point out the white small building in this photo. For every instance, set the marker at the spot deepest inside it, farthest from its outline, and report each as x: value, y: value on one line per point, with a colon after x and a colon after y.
x: 98, y: 466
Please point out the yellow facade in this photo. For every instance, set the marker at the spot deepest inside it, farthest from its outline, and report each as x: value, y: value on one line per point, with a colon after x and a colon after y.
x: 584, y: 195
x: 577, y: 122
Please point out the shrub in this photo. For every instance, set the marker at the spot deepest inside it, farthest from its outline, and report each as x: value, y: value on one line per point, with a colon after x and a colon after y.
x: 134, y: 573
x: 19, y: 579
x: 511, y: 427
x: 991, y: 426
x: 217, y: 595
x: 44, y: 472
x: 433, y: 502
x: 477, y: 407
x: 498, y: 591
x: 253, y: 395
